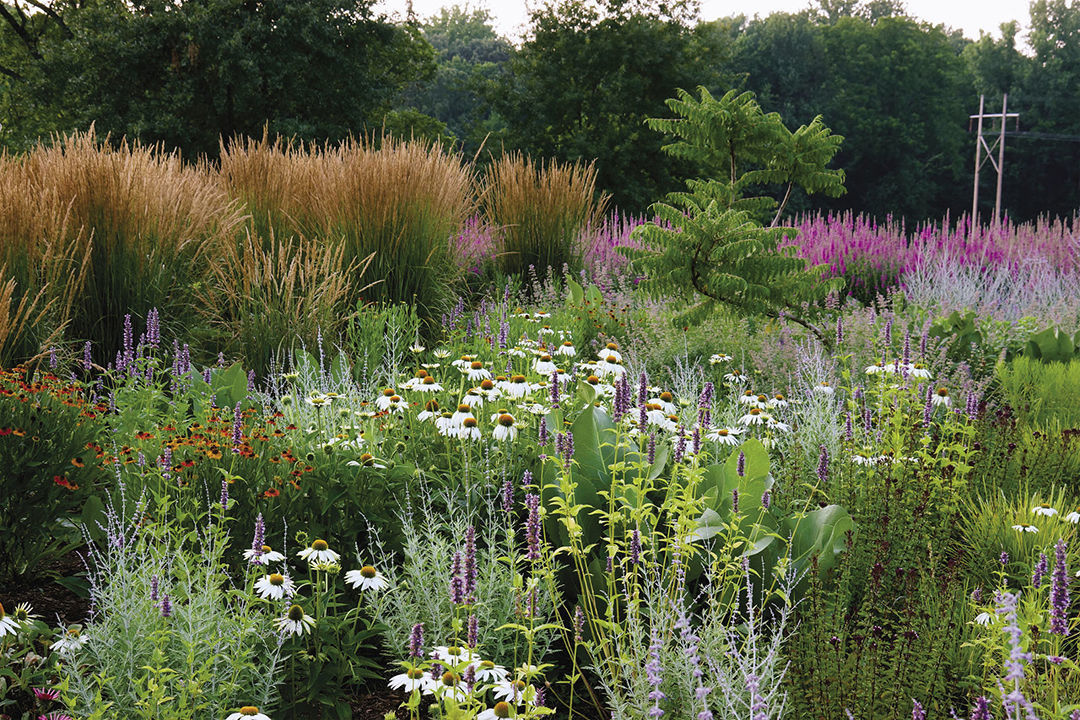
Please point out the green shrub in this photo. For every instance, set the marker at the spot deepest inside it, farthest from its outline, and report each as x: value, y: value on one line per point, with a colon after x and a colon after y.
x: 1040, y: 393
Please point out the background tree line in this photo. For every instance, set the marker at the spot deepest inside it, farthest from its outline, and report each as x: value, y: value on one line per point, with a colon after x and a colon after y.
x: 186, y: 73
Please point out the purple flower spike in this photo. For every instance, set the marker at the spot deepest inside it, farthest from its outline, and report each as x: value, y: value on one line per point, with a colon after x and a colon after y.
x: 532, y: 527
x: 1059, y: 592
x: 416, y: 641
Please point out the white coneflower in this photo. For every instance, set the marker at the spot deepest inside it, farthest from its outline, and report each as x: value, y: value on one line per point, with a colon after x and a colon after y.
x: 248, y: 712
x: 412, y: 679
x: 498, y: 711
x: 463, y: 362
x: 454, y: 655
x: 319, y: 400
x: 430, y: 411
x: 430, y: 366
x: 1045, y: 509
x: 566, y: 349
x: 824, y: 388
x: 463, y: 411
x: 611, y: 350
x: 544, y: 366
x: 611, y: 366
x: 504, y: 428
x: 275, y: 586
x: 23, y: 614
x: 865, y: 458
x: 941, y: 397
x: 718, y: 358
x: 469, y: 429
x: 918, y: 370
x: 451, y: 685
x: 755, y: 417
x: 367, y: 578
x: 70, y: 641
x: 666, y: 401
x: 476, y: 371
x: 1025, y: 528
x: 397, y: 404
x: 879, y: 368
x: 984, y: 618
x: 534, y: 408
x: 749, y: 397
x: 774, y: 424
x: 488, y: 671
x: 515, y: 388
x: 778, y: 400
x: 8, y: 626
x: 475, y: 397
x: 735, y: 377
x: 417, y: 348
x: 319, y: 552
x: 602, y: 389
x: 546, y: 330
x: 441, y: 353
x: 445, y: 425
x: 724, y: 435
x: 264, y: 556
x: 383, y: 401
x: 1073, y: 517
x: 366, y: 460
x: 295, y: 621
x: 510, y: 690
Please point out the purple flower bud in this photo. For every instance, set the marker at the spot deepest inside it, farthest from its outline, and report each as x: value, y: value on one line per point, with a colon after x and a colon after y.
x: 221, y: 355
x: 469, y: 565
x: 1041, y: 568
x: 652, y: 448
x: 532, y: 527
x: 680, y: 444
x: 474, y: 631
x: 554, y: 388
x: 416, y: 641
x: 153, y: 327
x: 1059, y: 592
x: 766, y: 499
x: 635, y: 548
x: 839, y: 330
x: 542, y: 432
x: 1003, y: 558
x: 981, y: 711
x: 740, y: 464
x: 224, y: 494
x: 154, y: 589
x: 905, y: 358
x: 653, y: 674
x: 237, y: 429
x: 88, y: 365
x: 928, y: 408
x: 643, y: 388
x: 457, y: 582
x: 735, y: 501
x: 206, y: 375
x: 579, y: 624
x: 823, y: 465
x: 258, y: 540
x: 166, y: 606
x: 508, y: 496
x: 917, y: 712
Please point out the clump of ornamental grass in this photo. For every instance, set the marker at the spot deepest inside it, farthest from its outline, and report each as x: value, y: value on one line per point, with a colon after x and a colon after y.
x: 268, y: 295
x: 540, y: 209
x: 146, y: 222
x: 168, y: 632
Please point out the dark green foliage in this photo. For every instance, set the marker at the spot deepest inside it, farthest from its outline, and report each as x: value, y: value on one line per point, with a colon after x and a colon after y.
x: 710, y: 239
x: 188, y: 74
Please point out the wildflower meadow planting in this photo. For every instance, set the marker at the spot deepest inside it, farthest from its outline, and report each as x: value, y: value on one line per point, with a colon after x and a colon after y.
x: 376, y: 430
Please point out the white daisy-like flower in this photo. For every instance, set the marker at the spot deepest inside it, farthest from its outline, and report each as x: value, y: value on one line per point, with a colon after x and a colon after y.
x: 488, y: 671
x: 984, y: 618
x: 824, y: 388
x: 749, y: 397
x: 540, y: 315
x: 505, y: 431
x: 534, y: 408
x: 441, y: 353
x: 295, y: 622
x: 725, y: 435
x: 1073, y: 517
x: 445, y: 425
x: 864, y: 458
x: 755, y: 417
x: 69, y: 642
x: 546, y: 330
x: 476, y: 371
x: 463, y: 362
x: 611, y: 350
x: 23, y: 614
x: 544, y: 366
x: 319, y: 400
x: 463, y: 411
x: 264, y: 556
x: 275, y: 586
x: 497, y: 711
x: 8, y: 626
x: 774, y: 424
x: 515, y: 388
x: 918, y: 370
x: 248, y: 712
x: 940, y: 397
x: 385, y: 398
x: 566, y: 349
x: 718, y: 358
x: 610, y: 367
x: 396, y: 404
x: 470, y: 429
x: 451, y: 685
x: 454, y: 655
x: 430, y: 366
x: 430, y: 412
x: 1024, y: 527
x: 367, y: 578
x: 666, y: 401
x: 366, y: 460
x: 319, y: 552
x: 417, y: 348
x: 476, y: 397
x: 412, y: 679
x: 778, y: 400
x: 602, y: 388
x: 1045, y: 509
x: 880, y: 368
x: 510, y: 691
x: 735, y: 378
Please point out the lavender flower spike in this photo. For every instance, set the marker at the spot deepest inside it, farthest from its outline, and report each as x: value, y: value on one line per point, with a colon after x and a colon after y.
x: 1059, y: 592
x: 653, y: 674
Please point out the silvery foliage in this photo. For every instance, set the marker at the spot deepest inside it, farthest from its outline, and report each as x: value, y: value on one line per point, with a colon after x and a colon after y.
x: 420, y: 584
x: 737, y: 641
x: 217, y: 637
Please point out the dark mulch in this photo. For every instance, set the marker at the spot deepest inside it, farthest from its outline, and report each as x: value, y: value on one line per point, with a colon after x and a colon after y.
x: 49, y: 599
x: 376, y: 705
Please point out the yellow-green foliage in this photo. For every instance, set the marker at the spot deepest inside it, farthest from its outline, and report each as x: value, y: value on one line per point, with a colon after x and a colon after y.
x: 1042, y: 394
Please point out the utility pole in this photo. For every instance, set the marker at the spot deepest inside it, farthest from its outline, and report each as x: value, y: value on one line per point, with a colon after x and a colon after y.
x: 999, y: 144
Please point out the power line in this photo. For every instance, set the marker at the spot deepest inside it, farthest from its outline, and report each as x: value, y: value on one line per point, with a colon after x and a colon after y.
x: 1035, y: 135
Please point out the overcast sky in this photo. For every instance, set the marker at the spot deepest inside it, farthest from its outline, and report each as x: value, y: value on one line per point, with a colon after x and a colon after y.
x: 971, y: 16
